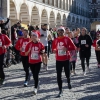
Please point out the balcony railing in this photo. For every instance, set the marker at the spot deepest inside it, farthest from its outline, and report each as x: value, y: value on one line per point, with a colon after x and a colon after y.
x: 95, y: 19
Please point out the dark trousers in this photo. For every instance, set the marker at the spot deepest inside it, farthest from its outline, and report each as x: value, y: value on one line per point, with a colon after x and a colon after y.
x: 98, y: 56
x: 83, y: 63
x: 2, y: 75
x: 49, y: 47
x: 72, y: 65
x: 25, y: 66
x: 35, y: 68
x: 17, y: 55
x: 59, y: 66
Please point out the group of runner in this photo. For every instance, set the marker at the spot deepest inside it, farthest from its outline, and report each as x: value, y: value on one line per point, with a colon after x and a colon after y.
x: 34, y: 46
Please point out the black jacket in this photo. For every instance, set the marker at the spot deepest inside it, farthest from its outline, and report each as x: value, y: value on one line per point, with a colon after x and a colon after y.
x: 3, y: 26
x: 85, y: 40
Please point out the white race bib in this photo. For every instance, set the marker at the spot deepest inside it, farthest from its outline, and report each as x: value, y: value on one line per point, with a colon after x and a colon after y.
x: 0, y: 44
x: 23, y: 49
x: 83, y: 42
x: 24, y: 46
x: 61, y: 53
x: 35, y: 56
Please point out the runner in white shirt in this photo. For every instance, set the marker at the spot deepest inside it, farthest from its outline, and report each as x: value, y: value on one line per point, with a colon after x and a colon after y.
x: 43, y: 39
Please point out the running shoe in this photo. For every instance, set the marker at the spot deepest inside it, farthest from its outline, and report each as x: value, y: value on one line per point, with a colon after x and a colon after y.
x: 35, y: 91
x: 60, y: 94
x: 88, y: 70
x: 84, y: 73
x: 69, y: 86
x: 2, y: 82
x: 26, y: 84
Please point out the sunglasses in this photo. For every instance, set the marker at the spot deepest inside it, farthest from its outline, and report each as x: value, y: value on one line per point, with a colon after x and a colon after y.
x: 60, y: 30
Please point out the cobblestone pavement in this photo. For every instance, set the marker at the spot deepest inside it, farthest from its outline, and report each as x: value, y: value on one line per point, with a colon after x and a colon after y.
x: 83, y: 87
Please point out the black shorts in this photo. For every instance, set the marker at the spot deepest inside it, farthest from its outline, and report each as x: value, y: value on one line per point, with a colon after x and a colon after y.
x: 46, y: 49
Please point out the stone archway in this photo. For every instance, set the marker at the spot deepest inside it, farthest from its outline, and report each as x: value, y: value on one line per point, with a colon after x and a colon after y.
x: 52, y: 20
x: 69, y: 18
x: 58, y: 20
x: 77, y: 20
x: 93, y: 25
x: 13, y: 12
x: 80, y: 21
x: 73, y: 19
x: 44, y: 17
x: 35, y: 19
x: 24, y: 14
x: 64, y: 20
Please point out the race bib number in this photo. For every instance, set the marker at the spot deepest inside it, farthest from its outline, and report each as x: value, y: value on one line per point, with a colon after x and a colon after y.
x: 24, y: 46
x: 61, y: 53
x: 34, y: 56
x: 83, y: 41
x: 0, y: 44
x: 23, y: 49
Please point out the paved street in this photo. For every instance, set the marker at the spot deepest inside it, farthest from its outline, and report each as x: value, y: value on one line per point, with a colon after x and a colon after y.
x: 83, y: 88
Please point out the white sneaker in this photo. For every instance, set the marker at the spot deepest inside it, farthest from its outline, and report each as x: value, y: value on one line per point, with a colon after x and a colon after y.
x: 88, y: 70
x: 84, y: 73
x: 74, y: 72
x: 46, y: 68
x: 35, y: 91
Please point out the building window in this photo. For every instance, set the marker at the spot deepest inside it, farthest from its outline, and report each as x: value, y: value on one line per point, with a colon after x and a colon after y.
x: 43, y: 1
x: 94, y: 13
x: 94, y: 1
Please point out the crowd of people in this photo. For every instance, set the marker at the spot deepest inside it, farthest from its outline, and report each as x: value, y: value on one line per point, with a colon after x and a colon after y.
x: 33, y: 46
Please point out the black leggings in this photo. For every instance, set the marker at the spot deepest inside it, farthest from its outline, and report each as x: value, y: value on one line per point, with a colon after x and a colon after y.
x: 59, y: 66
x: 72, y: 65
x: 2, y: 75
x: 49, y: 47
x: 17, y: 55
x: 35, y: 68
x: 83, y: 63
x: 25, y: 66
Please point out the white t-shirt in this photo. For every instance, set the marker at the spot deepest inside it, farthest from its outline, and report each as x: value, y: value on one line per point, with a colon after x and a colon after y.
x: 44, y: 39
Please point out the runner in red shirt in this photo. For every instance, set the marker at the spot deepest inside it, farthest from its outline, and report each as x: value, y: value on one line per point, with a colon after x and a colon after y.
x: 4, y: 44
x: 20, y: 46
x: 97, y: 50
x: 61, y: 47
x: 34, y: 50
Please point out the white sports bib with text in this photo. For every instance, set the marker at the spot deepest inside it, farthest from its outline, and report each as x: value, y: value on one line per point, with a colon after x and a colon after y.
x: 0, y: 44
x: 35, y: 56
x: 83, y: 42
x: 61, y: 53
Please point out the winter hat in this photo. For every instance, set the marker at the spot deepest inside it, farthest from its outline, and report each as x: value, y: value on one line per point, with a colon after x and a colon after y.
x: 35, y: 34
x: 61, y: 28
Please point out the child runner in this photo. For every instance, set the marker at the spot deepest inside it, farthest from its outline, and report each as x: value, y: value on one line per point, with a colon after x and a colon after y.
x: 34, y: 50
x: 73, y: 54
x: 97, y: 49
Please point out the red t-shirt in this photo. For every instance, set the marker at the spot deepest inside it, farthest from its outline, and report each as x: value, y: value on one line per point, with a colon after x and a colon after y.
x: 34, y: 55
x: 94, y: 43
x: 58, y: 45
x: 4, y: 41
x: 21, y: 45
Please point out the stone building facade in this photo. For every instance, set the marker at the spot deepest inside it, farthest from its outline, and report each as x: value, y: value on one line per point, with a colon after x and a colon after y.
x: 70, y: 13
x: 94, y: 11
